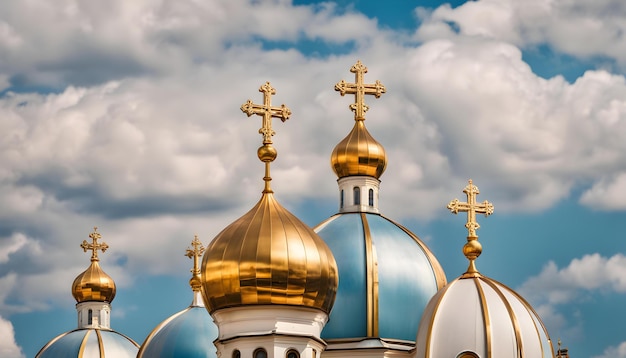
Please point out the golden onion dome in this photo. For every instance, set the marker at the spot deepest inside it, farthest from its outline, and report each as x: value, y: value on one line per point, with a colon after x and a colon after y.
x: 94, y: 284
x: 268, y: 256
x: 359, y: 154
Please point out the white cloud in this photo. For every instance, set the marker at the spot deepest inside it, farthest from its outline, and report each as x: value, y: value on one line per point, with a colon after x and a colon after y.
x: 8, y: 346
x: 614, y: 352
x: 579, y: 28
x: 591, y: 272
x: 607, y: 193
x: 145, y: 139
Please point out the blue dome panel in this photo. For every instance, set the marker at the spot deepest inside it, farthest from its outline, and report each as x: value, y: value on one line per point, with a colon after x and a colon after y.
x: 344, y: 236
x: 403, y: 276
x: 189, y: 334
x: 400, y: 261
x: 70, y: 344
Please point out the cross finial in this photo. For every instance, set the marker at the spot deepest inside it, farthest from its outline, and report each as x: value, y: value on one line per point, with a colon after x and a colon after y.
x: 195, y: 253
x: 471, y: 207
x: 266, y: 111
x: 94, y: 246
x: 472, y: 248
x: 266, y: 152
x: 360, y: 89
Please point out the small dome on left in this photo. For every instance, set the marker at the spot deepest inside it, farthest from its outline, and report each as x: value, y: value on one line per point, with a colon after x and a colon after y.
x: 94, y: 284
x: 93, y: 290
x: 90, y: 343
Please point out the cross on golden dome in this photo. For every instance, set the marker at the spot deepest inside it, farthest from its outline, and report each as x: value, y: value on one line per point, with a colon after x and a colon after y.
x: 195, y: 253
x: 360, y: 89
x: 266, y: 111
x: 471, y: 207
x: 94, y: 246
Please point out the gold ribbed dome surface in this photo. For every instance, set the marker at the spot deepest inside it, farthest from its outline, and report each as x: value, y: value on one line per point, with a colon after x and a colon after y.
x: 359, y: 154
x: 93, y: 285
x: 268, y: 256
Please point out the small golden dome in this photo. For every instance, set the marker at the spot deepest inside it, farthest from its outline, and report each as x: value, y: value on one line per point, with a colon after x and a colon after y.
x: 268, y: 256
x: 93, y: 284
x: 359, y: 154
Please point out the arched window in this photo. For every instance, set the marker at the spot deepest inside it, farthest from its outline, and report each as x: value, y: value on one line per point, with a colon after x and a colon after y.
x: 260, y: 353
x: 292, y: 353
x: 371, y: 197
x: 341, y: 199
x: 90, y: 317
x: 236, y: 353
x: 357, y: 195
x: 468, y: 354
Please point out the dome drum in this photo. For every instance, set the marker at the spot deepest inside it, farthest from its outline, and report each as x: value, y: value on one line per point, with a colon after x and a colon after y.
x: 269, y: 319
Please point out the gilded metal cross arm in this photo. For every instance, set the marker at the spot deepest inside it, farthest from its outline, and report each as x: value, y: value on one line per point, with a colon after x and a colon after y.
x: 95, y: 245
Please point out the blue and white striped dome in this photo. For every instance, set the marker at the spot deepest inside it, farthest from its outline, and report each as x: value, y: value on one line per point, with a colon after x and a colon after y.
x: 385, y: 272
x: 90, y: 343
x: 189, y: 333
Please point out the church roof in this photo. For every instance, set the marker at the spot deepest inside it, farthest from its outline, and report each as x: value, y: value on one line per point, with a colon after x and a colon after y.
x: 189, y: 333
x: 485, y: 317
x: 90, y: 342
x: 385, y: 272
x: 268, y: 256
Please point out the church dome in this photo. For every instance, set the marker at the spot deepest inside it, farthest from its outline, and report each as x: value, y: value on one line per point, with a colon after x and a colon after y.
x: 385, y: 270
x: 93, y: 343
x: 268, y: 256
x: 189, y: 333
x: 485, y: 317
x: 93, y: 284
x: 359, y: 154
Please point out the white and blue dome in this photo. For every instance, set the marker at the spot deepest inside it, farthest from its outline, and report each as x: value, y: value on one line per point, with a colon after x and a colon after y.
x: 90, y: 343
x: 385, y: 272
x: 94, y: 291
x: 189, y: 333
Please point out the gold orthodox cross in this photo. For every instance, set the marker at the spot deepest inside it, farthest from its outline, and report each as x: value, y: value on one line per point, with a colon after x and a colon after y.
x: 266, y: 111
x: 360, y: 89
x: 471, y: 207
x: 94, y: 246
x: 195, y: 253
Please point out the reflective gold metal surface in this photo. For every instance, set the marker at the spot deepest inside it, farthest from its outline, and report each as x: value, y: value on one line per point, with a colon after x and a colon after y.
x: 198, y: 249
x: 360, y: 89
x: 359, y: 153
x: 472, y: 248
x: 93, y: 284
x: 268, y: 256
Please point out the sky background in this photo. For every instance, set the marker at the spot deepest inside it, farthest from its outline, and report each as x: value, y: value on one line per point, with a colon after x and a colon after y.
x: 125, y: 115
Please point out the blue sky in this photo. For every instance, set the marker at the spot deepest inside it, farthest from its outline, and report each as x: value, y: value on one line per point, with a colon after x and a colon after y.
x: 126, y: 116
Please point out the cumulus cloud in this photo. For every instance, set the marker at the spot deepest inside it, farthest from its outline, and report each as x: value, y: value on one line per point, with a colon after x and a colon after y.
x: 8, y: 346
x: 553, y: 288
x: 592, y: 272
x: 614, y: 352
x: 579, y: 28
x: 126, y: 117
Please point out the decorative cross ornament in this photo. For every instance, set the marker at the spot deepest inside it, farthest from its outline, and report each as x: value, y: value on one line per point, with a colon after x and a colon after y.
x: 266, y: 111
x: 94, y: 246
x: 360, y: 89
x: 471, y: 207
x: 195, y: 253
